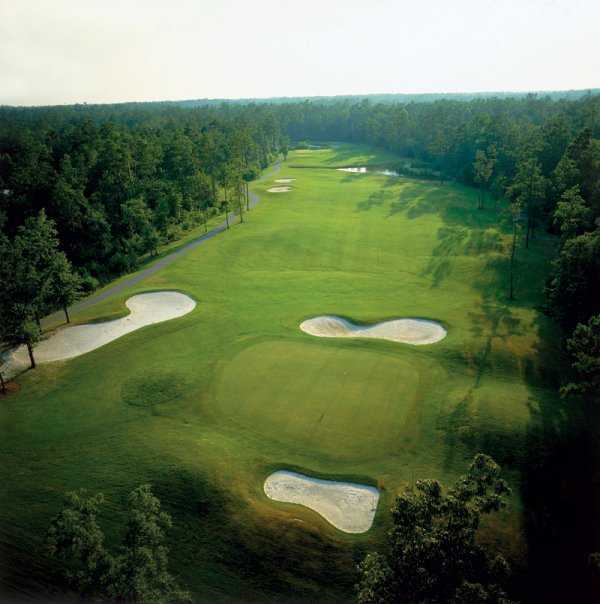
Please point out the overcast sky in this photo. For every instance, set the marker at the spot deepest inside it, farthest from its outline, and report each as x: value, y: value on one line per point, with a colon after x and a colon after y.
x: 67, y: 51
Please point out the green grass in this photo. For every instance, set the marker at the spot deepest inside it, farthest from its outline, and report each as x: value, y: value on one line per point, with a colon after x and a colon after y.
x: 206, y: 406
x: 341, y: 155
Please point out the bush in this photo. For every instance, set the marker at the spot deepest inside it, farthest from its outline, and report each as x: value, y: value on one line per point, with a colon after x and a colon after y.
x: 89, y: 283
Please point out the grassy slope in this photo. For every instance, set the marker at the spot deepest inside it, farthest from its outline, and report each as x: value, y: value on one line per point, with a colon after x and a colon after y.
x: 234, y: 390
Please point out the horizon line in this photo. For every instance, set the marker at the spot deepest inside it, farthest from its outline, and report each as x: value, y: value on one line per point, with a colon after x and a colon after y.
x: 590, y: 90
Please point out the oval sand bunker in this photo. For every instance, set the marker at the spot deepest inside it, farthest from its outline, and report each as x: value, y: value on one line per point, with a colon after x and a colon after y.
x: 407, y: 331
x: 285, y: 180
x: 348, y: 506
x: 279, y: 189
x: 69, y: 342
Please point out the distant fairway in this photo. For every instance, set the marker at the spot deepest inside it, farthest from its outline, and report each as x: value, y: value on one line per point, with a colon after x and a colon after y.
x: 252, y: 393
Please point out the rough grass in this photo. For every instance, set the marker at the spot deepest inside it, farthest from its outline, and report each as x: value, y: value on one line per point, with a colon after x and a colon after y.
x: 206, y: 406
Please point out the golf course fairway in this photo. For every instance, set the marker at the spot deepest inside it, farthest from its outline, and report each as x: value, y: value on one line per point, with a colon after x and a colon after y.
x: 206, y: 406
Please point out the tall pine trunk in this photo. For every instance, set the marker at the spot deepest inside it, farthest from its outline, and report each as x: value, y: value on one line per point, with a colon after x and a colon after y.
x: 226, y: 209
x: 213, y: 186
x: 240, y: 201
x: 513, y: 251
x: 67, y: 313
x: 31, y: 359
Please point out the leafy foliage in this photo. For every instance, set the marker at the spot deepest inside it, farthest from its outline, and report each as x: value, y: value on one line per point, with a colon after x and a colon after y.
x: 137, y: 572
x: 118, y: 189
x: 37, y: 278
x: 584, y: 348
x: 573, y: 290
x: 432, y: 554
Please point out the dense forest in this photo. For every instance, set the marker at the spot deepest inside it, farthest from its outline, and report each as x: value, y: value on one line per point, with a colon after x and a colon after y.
x: 117, y: 189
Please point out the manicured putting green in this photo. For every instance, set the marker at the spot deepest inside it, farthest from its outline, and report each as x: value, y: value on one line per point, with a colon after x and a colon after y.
x: 338, y: 402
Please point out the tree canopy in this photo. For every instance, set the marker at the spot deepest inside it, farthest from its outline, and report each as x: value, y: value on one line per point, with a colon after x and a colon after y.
x: 137, y: 571
x: 432, y: 553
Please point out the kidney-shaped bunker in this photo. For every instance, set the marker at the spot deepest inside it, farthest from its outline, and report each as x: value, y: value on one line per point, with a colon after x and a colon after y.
x: 75, y: 340
x: 350, y: 507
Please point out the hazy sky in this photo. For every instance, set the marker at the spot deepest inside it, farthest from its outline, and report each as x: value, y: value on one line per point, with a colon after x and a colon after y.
x: 66, y: 51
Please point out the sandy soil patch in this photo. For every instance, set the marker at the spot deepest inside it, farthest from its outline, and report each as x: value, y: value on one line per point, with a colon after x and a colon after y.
x: 348, y: 506
x: 285, y: 180
x: 408, y: 331
x: 279, y: 189
x: 72, y: 341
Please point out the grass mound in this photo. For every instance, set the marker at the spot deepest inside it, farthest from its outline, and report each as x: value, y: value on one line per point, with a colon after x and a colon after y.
x: 153, y: 389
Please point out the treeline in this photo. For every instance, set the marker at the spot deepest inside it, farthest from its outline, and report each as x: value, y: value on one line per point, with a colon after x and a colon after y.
x: 117, y: 186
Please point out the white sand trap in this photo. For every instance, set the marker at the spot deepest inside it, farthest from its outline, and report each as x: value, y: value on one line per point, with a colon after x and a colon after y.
x: 348, y: 506
x: 69, y: 342
x: 285, y: 180
x: 279, y: 189
x: 361, y: 170
x: 408, y: 331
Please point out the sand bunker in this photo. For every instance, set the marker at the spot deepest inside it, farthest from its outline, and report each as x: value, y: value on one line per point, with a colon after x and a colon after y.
x: 279, y: 189
x: 408, y: 331
x: 364, y: 170
x: 348, y: 506
x: 69, y: 342
x: 285, y: 180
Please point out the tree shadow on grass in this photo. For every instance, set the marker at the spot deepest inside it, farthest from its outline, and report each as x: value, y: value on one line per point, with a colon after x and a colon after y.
x: 375, y: 200
x: 555, y: 452
x: 551, y: 451
x: 557, y: 481
x: 411, y: 195
x: 455, y: 205
x: 458, y: 240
